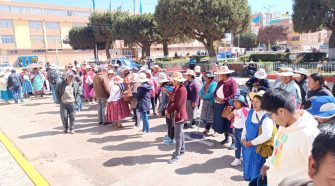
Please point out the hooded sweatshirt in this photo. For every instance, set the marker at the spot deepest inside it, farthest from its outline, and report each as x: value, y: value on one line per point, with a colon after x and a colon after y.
x: 292, y: 148
x: 292, y: 88
x: 143, y: 97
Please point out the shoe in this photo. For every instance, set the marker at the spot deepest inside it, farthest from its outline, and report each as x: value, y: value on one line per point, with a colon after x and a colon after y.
x: 166, y: 138
x: 72, y: 131
x: 100, y: 123
x: 226, y: 140
x: 236, y: 163
x: 193, y: 126
x: 174, y: 159
x: 107, y: 123
x: 66, y: 131
x: 232, y: 147
x: 145, y: 134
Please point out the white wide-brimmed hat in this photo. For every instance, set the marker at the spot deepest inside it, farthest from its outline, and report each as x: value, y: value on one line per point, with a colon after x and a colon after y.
x: 261, y: 74
x: 302, y: 71
x: 53, y: 67
x: 156, y: 66
x: 190, y: 72
x: 223, y: 70
x: 110, y: 72
x: 141, y: 78
x: 162, y: 78
x: 177, y: 76
x: 287, y: 72
x: 197, y: 69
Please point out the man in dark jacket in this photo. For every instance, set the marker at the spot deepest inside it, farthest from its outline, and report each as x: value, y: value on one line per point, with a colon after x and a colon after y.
x: 144, y: 101
x: 101, y: 88
x: 54, y: 77
x: 258, y: 82
x: 14, y: 84
x: 193, y: 88
x: 66, y: 93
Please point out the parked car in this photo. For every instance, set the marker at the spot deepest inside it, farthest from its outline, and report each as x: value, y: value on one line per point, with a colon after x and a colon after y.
x: 5, y: 66
x: 122, y: 62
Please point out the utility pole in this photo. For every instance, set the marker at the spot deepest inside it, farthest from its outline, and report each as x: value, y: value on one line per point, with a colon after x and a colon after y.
x: 134, y: 3
x: 268, y: 18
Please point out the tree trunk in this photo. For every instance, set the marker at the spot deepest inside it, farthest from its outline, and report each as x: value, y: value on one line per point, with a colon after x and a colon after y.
x: 107, y: 47
x: 146, y: 50
x: 211, y: 51
x: 331, y: 51
x: 95, y: 54
x: 166, y: 49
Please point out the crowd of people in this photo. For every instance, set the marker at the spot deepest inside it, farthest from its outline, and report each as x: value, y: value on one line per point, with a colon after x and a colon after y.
x: 273, y: 129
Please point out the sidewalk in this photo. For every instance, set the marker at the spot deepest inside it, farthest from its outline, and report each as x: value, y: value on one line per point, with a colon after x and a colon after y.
x: 11, y: 173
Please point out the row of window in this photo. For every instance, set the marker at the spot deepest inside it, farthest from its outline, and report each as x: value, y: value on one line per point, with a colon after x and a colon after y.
x: 33, y: 38
x: 7, y: 23
x: 43, y: 11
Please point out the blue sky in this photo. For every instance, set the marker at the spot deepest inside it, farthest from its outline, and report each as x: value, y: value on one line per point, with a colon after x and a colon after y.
x: 149, y: 5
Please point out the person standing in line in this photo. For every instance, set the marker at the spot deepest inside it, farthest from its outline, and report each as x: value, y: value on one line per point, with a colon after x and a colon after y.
x: 27, y: 87
x: 101, y: 88
x: 54, y: 77
x: 293, y: 140
x: 193, y: 89
x: 67, y: 91
x: 143, y: 99
x: 259, y: 81
x: 133, y: 100
x: 225, y: 90
x: 79, y: 95
x: 14, y: 85
x: 206, y: 94
x: 302, y: 81
x: 117, y: 108
x: 289, y: 85
x: 38, y: 79
x: 5, y: 94
x: 177, y: 105
x: 317, y: 87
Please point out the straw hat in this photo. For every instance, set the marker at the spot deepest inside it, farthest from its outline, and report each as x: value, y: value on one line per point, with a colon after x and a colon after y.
x: 141, y: 78
x: 177, y: 76
x: 224, y: 70
x: 253, y: 94
x: 261, y: 74
x: 190, y: 72
x: 156, y: 66
x: 197, y: 69
x: 110, y: 72
x: 162, y: 78
x: 301, y: 71
x: 286, y: 72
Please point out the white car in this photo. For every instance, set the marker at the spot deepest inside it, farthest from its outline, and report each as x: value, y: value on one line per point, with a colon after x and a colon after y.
x: 5, y: 66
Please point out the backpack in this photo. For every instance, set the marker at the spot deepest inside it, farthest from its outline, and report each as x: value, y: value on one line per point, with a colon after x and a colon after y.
x: 54, y: 77
x: 16, y: 80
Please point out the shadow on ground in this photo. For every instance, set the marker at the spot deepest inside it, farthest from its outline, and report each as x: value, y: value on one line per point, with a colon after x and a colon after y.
x: 134, y: 160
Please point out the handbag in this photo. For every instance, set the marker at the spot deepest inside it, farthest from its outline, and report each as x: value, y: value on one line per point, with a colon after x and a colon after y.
x: 227, y: 111
x: 266, y: 149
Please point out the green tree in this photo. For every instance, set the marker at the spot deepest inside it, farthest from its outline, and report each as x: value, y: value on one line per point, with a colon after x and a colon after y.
x: 272, y: 34
x: 103, y: 28
x: 312, y: 16
x: 138, y: 29
x: 247, y: 40
x: 82, y: 38
x: 204, y: 20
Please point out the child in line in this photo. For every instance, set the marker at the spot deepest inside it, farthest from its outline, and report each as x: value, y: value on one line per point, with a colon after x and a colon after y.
x: 143, y: 98
x: 166, y: 88
x: 78, y: 98
x: 239, y: 116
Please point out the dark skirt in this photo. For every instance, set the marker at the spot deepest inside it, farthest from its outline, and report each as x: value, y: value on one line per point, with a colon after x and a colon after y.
x: 220, y: 125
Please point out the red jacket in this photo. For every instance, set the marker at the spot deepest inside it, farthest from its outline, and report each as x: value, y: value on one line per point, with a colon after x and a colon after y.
x: 229, y: 89
x: 177, y: 104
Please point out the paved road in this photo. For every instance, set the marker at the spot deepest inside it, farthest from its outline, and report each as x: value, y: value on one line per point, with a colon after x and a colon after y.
x: 103, y: 155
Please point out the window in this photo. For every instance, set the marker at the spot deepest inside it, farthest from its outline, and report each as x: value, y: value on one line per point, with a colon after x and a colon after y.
x: 78, y: 24
x: 7, y: 39
x: 38, y: 51
x: 55, y: 12
x: 6, y: 23
x: 37, y: 11
x: 20, y: 10
x: 52, y: 25
x: 81, y: 14
x: 53, y: 39
x: 12, y: 51
x: 4, y: 8
x: 37, y: 39
x: 35, y: 25
x: 69, y: 13
x: 295, y: 38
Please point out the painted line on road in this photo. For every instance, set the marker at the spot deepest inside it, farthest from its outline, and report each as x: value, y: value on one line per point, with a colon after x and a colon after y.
x: 199, y: 141
x: 30, y: 171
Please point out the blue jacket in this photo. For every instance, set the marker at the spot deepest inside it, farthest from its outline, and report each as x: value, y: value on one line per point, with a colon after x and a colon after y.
x: 143, y: 97
x: 209, y: 94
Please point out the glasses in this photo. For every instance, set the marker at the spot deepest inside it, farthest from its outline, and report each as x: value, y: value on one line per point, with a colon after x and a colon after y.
x: 270, y: 115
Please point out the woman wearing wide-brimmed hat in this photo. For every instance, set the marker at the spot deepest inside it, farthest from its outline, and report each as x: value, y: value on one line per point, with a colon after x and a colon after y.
x: 289, y: 85
x: 143, y: 98
x: 177, y: 105
x: 38, y: 79
x: 225, y: 90
x: 117, y: 108
x: 302, y: 81
x: 259, y: 81
x: 27, y: 87
x: 206, y: 94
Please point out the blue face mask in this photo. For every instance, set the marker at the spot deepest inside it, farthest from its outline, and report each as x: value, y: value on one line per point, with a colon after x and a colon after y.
x: 169, y: 88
